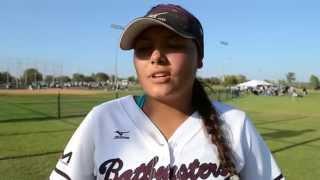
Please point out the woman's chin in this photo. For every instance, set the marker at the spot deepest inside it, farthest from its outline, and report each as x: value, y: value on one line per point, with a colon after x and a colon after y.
x: 160, y: 92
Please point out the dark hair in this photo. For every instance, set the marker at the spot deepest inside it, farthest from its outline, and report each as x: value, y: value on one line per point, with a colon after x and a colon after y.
x: 202, y: 103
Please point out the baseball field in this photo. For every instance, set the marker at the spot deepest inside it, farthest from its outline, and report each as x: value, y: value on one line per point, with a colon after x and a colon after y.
x: 32, y: 138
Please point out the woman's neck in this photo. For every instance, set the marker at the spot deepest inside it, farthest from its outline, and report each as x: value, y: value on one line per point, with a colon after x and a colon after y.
x: 168, y: 115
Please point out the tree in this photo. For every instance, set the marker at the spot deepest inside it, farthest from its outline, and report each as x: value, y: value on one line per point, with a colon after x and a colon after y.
x: 131, y: 79
x: 314, y: 82
x: 113, y: 78
x: 6, y: 77
x: 101, y: 77
x: 282, y: 82
x: 49, y: 79
x: 230, y: 80
x: 215, y: 81
x: 291, y: 77
x: 63, y: 79
x: 77, y: 77
x: 210, y: 80
x: 89, y: 78
x: 32, y: 75
x: 241, y: 78
x: 205, y: 80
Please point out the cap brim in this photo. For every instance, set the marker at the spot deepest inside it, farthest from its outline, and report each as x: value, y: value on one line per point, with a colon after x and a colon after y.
x: 137, y: 26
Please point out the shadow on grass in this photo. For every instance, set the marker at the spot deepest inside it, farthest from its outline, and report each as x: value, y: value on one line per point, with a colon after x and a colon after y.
x: 283, y: 133
x: 39, y: 116
x: 29, y: 155
x: 35, y: 119
x: 282, y: 120
x: 295, y: 145
x: 75, y: 124
x: 279, y: 133
x: 36, y: 132
x: 29, y: 119
x: 30, y: 109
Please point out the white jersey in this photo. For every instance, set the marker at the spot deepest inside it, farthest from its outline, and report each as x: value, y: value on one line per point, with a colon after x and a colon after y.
x: 117, y: 140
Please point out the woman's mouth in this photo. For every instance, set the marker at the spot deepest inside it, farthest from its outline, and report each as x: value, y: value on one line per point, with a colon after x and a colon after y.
x: 160, y: 77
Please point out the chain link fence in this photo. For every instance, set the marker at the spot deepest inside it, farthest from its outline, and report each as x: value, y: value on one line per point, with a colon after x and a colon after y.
x: 35, y: 106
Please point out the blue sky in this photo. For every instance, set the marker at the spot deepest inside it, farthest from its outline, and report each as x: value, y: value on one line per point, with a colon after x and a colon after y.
x: 266, y: 39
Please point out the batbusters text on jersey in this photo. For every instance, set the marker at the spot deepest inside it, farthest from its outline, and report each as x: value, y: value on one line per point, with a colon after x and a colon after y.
x: 111, y: 169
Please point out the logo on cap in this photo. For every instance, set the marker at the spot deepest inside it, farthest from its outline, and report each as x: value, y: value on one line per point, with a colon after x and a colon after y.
x: 158, y: 14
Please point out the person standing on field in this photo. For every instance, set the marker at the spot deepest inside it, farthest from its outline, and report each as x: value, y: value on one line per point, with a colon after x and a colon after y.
x: 172, y: 131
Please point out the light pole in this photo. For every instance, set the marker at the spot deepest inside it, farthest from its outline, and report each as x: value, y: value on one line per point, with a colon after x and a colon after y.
x: 118, y: 27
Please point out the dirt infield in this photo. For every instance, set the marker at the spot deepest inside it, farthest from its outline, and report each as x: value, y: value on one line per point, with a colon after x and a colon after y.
x: 52, y: 91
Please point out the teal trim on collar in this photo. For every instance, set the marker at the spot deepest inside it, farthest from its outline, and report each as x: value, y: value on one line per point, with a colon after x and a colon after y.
x: 140, y: 100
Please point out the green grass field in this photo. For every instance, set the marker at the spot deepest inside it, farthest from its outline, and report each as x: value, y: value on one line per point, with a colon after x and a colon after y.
x: 290, y: 126
x: 31, y: 138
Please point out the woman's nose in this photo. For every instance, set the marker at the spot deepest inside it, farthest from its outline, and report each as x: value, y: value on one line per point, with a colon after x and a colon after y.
x: 157, y: 57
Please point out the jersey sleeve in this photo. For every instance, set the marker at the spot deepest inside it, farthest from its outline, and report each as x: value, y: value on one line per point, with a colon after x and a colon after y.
x: 259, y: 162
x: 77, y: 160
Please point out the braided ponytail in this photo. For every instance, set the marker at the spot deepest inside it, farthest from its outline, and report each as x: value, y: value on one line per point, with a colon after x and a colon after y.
x: 202, y: 103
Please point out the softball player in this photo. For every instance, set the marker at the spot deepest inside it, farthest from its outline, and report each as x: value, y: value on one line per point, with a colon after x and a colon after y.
x: 173, y: 131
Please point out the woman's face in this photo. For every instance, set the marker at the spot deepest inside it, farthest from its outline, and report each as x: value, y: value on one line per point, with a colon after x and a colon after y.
x: 165, y: 63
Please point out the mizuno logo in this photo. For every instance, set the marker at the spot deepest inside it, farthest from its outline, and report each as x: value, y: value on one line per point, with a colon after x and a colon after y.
x: 121, y: 134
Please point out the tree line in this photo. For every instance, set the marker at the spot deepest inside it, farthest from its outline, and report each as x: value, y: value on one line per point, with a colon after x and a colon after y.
x: 34, y: 77
x: 314, y: 82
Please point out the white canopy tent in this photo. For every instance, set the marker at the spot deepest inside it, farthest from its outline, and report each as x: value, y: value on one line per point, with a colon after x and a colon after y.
x: 252, y: 84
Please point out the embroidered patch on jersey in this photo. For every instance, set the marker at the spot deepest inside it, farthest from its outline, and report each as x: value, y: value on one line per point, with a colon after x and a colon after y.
x: 121, y: 135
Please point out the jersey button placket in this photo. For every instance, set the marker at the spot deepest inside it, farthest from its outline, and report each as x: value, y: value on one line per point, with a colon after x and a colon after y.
x: 163, y: 152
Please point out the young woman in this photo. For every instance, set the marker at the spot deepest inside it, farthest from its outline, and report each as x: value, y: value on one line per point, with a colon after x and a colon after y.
x: 173, y: 131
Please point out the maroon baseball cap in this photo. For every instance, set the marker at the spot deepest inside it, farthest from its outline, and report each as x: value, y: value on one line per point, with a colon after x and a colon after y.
x: 171, y: 16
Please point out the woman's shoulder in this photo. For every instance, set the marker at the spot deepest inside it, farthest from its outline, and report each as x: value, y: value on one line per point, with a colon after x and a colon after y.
x: 233, y: 120
x: 112, y: 105
x: 109, y: 109
x: 228, y: 112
